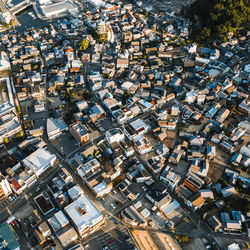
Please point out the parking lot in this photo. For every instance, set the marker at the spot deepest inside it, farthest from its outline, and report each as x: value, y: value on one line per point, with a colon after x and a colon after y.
x: 113, y: 200
x: 28, y: 112
x: 66, y: 143
x: 16, y: 226
x: 117, y: 238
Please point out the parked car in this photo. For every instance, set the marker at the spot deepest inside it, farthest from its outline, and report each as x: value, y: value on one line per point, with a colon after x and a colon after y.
x: 113, y: 206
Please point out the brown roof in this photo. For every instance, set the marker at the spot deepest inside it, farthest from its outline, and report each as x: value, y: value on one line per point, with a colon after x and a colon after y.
x: 198, y: 201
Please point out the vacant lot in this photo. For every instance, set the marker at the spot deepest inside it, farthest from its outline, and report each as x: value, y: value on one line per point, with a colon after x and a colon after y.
x: 215, y: 172
x: 144, y: 240
x: 182, y: 167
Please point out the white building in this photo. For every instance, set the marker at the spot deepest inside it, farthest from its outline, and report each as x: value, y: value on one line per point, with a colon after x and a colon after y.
x: 5, y: 188
x: 191, y: 48
x: 39, y: 107
x: 9, y: 129
x: 142, y: 145
x: 58, y: 9
x: 44, y: 2
x: 82, y: 105
x: 5, y: 17
x: 140, y: 127
x: 114, y: 135
x: 58, y: 221
x: 126, y: 85
x: 86, y: 217
x: 206, y: 193
x: 90, y: 167
x: 247, y: 68
x: 191, y: 96
x: 105, y: 28
x: 55, y: 127
x: 102, y: 188
x: 227, y: 191
x: 4, y: 61
x: 75, y: 192
x: 96, y: 3
x: 9, y: 126
x: 39, y: 161
x: 214, y: 54
x: 245, y: 150
x: 171, y: 179
x: 101, y: 27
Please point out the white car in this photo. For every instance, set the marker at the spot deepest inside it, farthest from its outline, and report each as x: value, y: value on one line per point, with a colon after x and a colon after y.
x: 11, y: 198
x: 113, y: 206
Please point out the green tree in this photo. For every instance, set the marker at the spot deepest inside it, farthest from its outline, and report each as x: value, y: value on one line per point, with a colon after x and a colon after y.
x: 86, y: 94
x: 125, y: 96
x: 35, y: 66
x: 221, y: 29
x: 67, y: 116
x: 59, y: 89
x: 205, y: 33
x: 20, y: 134
x: 16, y: 69
x: 103, y: 38
x: 12, y: 22
x: 19, y: 110
x: 145, y: 13
x: 220, y: 16
x: 83, y: 44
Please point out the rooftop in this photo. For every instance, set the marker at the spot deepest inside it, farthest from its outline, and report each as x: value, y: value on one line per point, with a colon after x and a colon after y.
x: 55, y: 124
x: 39, y: 159
x: 44, y: 204
x: 79, y: 129
x: 58, y: 7
x: 83, y: 213
x: 8, y: 239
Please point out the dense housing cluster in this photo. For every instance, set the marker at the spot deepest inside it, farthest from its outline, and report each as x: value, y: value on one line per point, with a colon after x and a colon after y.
x: 118, y: 122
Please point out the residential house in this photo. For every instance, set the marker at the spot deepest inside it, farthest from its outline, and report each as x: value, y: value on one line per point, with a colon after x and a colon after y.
x: 214, y: 223
x: 80, y: 133
x: 227, y: 191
